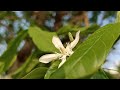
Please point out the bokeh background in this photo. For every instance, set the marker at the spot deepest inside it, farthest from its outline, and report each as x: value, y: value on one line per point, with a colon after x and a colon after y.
x: 12, y: 22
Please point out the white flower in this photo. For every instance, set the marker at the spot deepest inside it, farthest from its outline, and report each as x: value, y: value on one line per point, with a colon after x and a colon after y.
x: 64, y: 52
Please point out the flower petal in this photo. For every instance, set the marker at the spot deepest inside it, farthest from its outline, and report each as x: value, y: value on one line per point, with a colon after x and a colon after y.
x: 69, y: 50
x: 74, y: 43
x: 49, y: 57
x: 63, y: 58
x: 58, y: 44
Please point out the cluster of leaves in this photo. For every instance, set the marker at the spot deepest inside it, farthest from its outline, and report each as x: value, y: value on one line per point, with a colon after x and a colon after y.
x: 89, y: 55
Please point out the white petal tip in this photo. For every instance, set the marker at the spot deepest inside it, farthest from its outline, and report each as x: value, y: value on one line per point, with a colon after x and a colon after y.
x: 42, y: 61
x: 54, y: 38
x: 60, y: 65
x: 48, y: 58
x: 78, y: 32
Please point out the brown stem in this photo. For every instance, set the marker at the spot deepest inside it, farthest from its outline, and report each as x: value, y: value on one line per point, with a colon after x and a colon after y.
x: 39, y: 17
x: 79, y: 18
x: 58, y: 19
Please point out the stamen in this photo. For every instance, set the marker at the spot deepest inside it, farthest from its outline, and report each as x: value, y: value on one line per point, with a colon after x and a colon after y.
x: 62, y: 50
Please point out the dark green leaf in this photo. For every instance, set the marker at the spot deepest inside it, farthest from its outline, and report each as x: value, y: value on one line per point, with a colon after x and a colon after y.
x: 70, y: 28
x: 26, y: 67
x: 100, y: 74
x: 8, y: 57
x: 52, y: 69
x: 33, y: 63
x: 37, y: 73
x: 90, y: 55
x: 90, y: 29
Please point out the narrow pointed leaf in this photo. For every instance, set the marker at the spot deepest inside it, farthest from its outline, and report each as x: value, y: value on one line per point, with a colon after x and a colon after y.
x: 8, y: 57
x: 52, y: 69
x: 23, y: 70
x: 37, y: 73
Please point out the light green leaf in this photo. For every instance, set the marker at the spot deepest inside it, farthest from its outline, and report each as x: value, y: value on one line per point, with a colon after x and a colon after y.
x: 8, y: 57
x: 37, y: 73
x: 42, y: 39
x: 90, y: 55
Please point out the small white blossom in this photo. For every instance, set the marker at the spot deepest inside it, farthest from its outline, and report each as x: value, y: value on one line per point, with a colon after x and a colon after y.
x: 64, y: 52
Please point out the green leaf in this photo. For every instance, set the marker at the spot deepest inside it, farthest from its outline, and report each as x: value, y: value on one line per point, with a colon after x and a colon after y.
x: 37, y: 73
x: 33, y: 63
x: 100, y: 74
x: 52, y: 69
x: 42, y: 39
x: 90, y: 55
x: 30, y: 63
x: 70, y: 28
x: 84, y: 30
x: 91, y: 29
x: 8, y: 57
